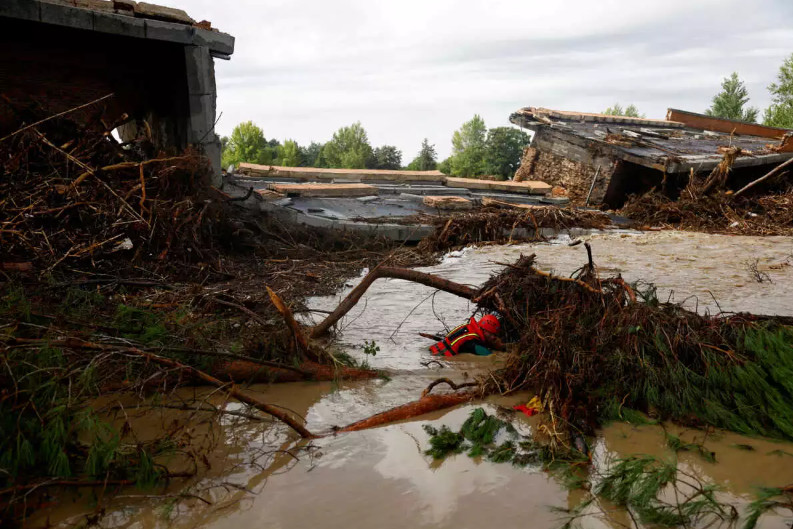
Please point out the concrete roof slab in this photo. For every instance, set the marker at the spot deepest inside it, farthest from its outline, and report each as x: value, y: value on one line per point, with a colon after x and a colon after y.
x: 61, y: 15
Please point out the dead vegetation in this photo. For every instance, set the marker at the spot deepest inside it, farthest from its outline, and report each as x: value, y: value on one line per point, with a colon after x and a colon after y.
x: 507, y: 223
x: 125, y: 276
x: 707, y: 205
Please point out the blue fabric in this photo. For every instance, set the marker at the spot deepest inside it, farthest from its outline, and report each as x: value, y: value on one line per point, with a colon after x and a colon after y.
x: 481, y: 350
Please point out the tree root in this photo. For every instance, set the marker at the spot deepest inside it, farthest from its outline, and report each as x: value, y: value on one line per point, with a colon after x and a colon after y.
x: 454, y: 386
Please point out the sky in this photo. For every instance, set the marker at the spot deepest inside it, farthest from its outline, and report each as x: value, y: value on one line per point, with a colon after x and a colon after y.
x: 410, y: 69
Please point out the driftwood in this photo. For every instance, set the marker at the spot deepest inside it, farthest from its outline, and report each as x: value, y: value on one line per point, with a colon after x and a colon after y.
x: 449, y: 382
x: 773, y: 172
x: 293, y: 325
x: 425, y: 404
x: 394, y: 273
x: 230, y: 390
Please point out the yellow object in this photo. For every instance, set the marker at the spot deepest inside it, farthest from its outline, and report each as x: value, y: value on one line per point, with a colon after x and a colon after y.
x: 535, y: 404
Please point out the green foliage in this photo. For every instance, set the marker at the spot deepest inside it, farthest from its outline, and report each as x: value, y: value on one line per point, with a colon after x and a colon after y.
x: 289, y: 154
x: 504, y: 150
x: 768, y: 499
x: 426, y: 160
x: 349, y: 148
x: 385, y: 157
x: 468, y: 148
x: 443, y: 442
x: 678, y: 445
x: 641, y: 485
x: 370, y: 348
x: 630, y: 111
x: 310, y: 155
x: 141, y: 325
x: 445, y: 166
x: 15, y: 304
x: 730, y: 102
x: 479, y: 435
x: 780, y: 112
x: 246, y: 144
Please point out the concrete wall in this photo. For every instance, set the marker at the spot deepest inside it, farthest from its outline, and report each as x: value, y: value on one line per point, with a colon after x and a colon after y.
x: 54, y: 58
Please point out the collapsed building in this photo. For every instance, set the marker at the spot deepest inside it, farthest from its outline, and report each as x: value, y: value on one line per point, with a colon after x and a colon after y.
x: 602, y: 159
x: 140, y: 67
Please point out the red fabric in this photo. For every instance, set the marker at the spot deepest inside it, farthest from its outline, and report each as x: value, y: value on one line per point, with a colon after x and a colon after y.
x: 450, y: 345
x: 526, y: 411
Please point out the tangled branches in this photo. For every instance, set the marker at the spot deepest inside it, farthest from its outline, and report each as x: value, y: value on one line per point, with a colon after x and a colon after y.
x: 591, y: 352
x: 770, y: 214
x: 502, y: 225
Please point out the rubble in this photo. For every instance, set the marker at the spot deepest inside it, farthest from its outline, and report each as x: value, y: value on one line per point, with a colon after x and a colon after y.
x: 617, y: 156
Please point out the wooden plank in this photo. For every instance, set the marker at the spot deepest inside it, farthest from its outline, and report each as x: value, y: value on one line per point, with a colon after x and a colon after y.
x: 488, y: 201
x: 727, y: 126
x: 447, y: 202
x: 324, y: 190
x: 529, y: 187
x: 322, y: 173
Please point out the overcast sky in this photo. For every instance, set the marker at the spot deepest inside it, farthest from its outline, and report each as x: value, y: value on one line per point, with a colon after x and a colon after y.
x: 412, y: 69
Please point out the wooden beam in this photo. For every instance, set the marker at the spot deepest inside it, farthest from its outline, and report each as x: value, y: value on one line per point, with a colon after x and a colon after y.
x: 324, y: 190
x: 727, y: 126
x: 530, y: 187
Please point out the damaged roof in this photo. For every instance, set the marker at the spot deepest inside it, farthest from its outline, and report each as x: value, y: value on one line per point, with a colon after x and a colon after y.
x: 126, y: 18
x: 684, y: 141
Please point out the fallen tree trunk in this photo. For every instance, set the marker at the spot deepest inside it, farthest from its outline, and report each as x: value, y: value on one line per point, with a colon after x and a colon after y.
x: 394, y: 273
x: 425, y: 404
x: 231, y: 391
x: 252, y: 373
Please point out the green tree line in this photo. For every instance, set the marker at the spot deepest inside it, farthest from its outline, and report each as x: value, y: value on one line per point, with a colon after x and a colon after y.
x: 732, y: 101
x: 476, y: 150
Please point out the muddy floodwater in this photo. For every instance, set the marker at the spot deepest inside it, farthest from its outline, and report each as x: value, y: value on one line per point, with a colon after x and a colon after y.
x: 381, y: 477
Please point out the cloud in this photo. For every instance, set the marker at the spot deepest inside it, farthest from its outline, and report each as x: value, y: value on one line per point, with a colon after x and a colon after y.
x: 414, y: 69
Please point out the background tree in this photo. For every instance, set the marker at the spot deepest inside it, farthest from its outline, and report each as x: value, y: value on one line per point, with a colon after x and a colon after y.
x: 385, y: 157
x: 289, y: 154
x: 780, y: 113
x: 503, y: 150
x: 730, y: 102
x: 426, y: 160
x: 630, y: 111
x: 246, y: 144
x: 445, y: 166
x: 468, y: 148
x: 349, y: 148
x: 309, y: 156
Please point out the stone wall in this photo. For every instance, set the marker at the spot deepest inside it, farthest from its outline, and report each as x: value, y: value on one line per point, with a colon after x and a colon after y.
x: 574, y: 176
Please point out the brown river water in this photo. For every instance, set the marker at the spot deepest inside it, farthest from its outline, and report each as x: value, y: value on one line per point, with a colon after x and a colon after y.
x: 381, y: 477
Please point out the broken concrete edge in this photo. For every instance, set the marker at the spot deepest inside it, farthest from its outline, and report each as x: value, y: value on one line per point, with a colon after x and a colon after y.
x: 118, y: 24
x: 395, y: 232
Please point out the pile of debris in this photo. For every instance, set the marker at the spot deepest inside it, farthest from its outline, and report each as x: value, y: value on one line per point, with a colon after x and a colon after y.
x: 767, y: 214
x: 504, y: 223
x: 596, y: 348
x: 123, y: 276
